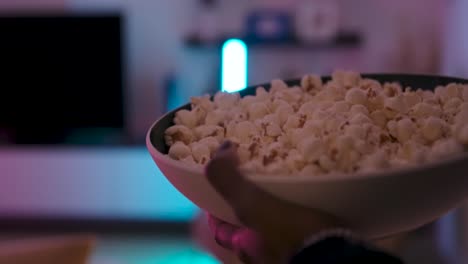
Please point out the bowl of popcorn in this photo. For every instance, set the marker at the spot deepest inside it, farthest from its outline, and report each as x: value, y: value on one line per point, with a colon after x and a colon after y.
x: 384, y: 152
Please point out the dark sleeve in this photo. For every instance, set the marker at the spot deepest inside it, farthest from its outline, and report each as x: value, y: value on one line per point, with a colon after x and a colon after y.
x: 340, y: 250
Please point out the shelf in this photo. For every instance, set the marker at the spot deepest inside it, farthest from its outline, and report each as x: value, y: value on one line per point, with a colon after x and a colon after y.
x: 342, y: 40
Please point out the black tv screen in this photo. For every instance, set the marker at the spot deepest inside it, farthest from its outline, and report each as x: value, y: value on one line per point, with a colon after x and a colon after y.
x: 59, y: 75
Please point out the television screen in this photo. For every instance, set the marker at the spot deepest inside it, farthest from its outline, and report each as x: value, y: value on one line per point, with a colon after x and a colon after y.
x: 60, y: 78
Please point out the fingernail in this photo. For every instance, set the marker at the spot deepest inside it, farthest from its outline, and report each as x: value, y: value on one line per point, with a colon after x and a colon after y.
x: 226, y: 145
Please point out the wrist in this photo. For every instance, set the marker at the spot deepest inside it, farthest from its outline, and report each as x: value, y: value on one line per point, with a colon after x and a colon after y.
x: 340, y: 246
x: 340, y: 233
x: 335, y: 232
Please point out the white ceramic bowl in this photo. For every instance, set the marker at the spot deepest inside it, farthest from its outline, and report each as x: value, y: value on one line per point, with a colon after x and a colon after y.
x: 376, y: 205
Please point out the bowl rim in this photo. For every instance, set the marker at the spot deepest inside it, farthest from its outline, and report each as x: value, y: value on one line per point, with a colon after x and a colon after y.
x: 258, y: 177
x: 332, y: 177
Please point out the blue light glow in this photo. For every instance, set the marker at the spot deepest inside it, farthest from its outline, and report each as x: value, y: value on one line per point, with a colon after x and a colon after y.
x: 234, y: 66
x: 191, y: 256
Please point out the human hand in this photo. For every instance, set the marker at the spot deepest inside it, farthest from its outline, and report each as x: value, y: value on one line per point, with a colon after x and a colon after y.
x: 273, y: 229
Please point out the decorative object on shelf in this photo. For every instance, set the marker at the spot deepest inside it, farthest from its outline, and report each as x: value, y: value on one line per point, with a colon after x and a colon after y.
x: 208, y: 24
x: 317, y: 20
x: 268, y: 25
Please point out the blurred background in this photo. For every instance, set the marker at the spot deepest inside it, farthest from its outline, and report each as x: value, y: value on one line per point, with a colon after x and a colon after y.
x: 81, y: 81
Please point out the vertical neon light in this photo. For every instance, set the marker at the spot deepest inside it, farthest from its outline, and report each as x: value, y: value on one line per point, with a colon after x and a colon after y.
x: 234, y: 66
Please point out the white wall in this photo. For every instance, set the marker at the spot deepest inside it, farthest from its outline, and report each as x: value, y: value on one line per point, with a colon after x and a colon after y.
x: 456, y: 44
x: 31, y: 4
x: 156, y: 29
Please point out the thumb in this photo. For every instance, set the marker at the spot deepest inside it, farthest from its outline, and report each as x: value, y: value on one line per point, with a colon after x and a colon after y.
x: 248, y: 201
x: 256, y: 208
x: 224, y: 175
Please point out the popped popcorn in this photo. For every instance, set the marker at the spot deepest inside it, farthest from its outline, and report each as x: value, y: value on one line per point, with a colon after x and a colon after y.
x: 444, y: 147
x: 204, y: 131
x: 411, y: 99
x: 346, y: 125
x: 396, y: 104
x: 360, y: 118
x: 344, y: 143
x: 405, y: 129
x: 462, y: 116
x: 245, y: 130
x: 462, y: 134
x: 295, y: 161
x: 311, y: 149
x: 247, y: 100
x: 257, y: 110
x: 308, y: 108
x: 211, y: 142
x: 392, y: 89
x: 424, y: 109
x: 244, y: 152
x: 341, y: 107
x: 452, y: 91
x: 433, y: 128
x: 347, y: 79
x: 375, y: 161
x: 312, y: 128
x: 215, y: 117
x: 357, y: 108
x: 283, y: 112
x: 189, y: 160
x: 311, y: 170
x: 203, y: 102
x: 186, y: 118
x: 225, y: 100
x: 273, y: 130
x: 262, y: 94
x: 201, y: 153
x: 179, y: 151
x: 294, y: 121
x: 178, y: 133
x: 379, y: 118
x: 278, y: 85
x: 465, y: 93
x: 311, y: 82
x: 355, y: 131
x: 356, y: 96
x: 296, y: 135
x: 326, y: 163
